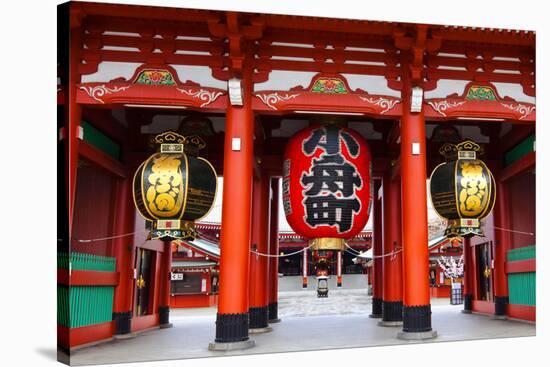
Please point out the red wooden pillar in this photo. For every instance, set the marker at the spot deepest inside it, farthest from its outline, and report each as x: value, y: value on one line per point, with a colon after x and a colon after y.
x: 392, y: 304
x: 304, y: 269
x: 501, y: 246
x: 468, y: 277
x: 339, y: 269
x: 417, y: 319
x: 232, y: 317
x: 377, y: 271
x: 259, y: 295
x: 166, y: 279
x: 73, y: 112
x: 273, y: 251
x: 123, y: 249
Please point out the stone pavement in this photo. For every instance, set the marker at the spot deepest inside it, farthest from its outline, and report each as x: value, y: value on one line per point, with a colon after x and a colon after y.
x: 308, y: 323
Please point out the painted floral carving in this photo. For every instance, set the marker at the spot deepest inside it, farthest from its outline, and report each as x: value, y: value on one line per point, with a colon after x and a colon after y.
x: 98, y: 91
x: 481, y: 93
x: 520, y: 108
x: 386, y: 103
x: 329, y: 86
x: 155, y: 77
x: 444, y: 105
x: 271, y: 99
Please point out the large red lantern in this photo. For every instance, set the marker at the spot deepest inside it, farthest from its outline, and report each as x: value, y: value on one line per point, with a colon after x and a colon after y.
x: 327, y: 185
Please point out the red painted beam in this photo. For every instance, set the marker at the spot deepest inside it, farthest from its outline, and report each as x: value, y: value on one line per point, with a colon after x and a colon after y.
x: 522, y: 312
x: 101, y: 159
x: 87, y: 278
x: 69, y: 338
x: 522, y: 266
x: 483, y: 307
x: 526, y: 162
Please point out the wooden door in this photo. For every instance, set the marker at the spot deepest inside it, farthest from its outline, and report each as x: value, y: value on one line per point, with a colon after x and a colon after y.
x: 143, y: 282
x: 484, y: 255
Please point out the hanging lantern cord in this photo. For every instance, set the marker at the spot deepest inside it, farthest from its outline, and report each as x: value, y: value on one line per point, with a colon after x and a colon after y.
x: 284, y: 255
x: 374, y: 257
x: 513, y: 231
x: 104, y: 238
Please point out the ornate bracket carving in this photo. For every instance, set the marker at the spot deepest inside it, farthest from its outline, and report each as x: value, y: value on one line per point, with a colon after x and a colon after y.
x: 444, y: 105
x: 271, y: 99
x: 202, y: 94
x: 386, y: 103
x: 98, y: 91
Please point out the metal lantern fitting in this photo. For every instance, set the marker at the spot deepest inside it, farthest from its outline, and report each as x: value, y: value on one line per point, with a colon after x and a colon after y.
x: 462, y: 189
x: 327, y: 185
x: 174, y: 187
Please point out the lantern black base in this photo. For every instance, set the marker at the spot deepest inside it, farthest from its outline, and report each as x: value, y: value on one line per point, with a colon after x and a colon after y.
x: 417, y: 319
x: 500, y: 307
x: 258, y: 317
x: 231, y: 328
x: 273, y: 313
x: 123, y: 322
x: 392, y: 311
x: 164, y: 315
x: 376, y: 308
x: 467, y: 303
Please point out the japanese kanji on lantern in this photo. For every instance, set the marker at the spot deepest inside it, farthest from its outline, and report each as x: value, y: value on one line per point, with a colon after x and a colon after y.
x: 174, y: 187
x: 462, y: 189
x: 327, y: 185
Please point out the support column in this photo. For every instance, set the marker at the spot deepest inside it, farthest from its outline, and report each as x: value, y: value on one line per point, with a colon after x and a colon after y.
x: 339, y: 269
x: 73, y: 113
x: 258, y: 287
x: 304, y: 269
x: 392, y: 304
x: 273, y: 306
x: 166, y: 278
x: 232, y: 318
x: 377, y: 271
x: 467, y: 278
x: 417, y: 314
x: 501, y: 246
x: 122, y: 249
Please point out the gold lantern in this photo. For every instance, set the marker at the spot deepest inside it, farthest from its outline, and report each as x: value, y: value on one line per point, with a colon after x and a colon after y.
x: 462, y: 189
x: 174, y: 187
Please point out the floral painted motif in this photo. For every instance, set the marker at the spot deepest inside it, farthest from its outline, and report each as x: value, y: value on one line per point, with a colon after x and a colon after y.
x: 481, y: 93
x: 155, y: 77
x: 329, y: 86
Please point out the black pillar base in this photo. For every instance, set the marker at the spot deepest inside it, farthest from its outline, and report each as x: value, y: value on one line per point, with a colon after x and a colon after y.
x: 392, y: 311
x: 500, y: 305
x: 123, y: 322
x: 273, y: 311
x: 417, y: 319
x: 164, y: 315
x: 467, y: 303
x: 231, y: 327
x: 376, y: 308
x: 258, y: 317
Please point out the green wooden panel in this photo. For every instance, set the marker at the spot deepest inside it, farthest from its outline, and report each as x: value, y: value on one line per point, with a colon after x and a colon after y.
x: 100, y: 140
x: 522, y: 253
x: 83, y: 261
x: 79, y: 306
x: 519, y: 150
x: 522, y: 288
x: 83, y: 306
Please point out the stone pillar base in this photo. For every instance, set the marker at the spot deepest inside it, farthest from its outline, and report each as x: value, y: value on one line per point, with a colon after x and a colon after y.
x: 390, y: 323
x: 260, y: 330
x: 421, y: 335
x: 245, y: 344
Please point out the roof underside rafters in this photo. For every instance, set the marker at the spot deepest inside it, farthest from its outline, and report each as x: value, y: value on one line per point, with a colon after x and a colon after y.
x: 298, y: 43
